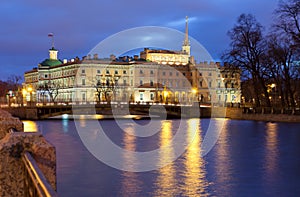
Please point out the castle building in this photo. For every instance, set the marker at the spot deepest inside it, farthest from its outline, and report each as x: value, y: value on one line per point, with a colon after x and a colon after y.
x: 163, y: 76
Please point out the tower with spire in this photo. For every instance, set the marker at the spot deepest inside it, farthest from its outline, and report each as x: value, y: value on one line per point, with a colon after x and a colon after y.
x: 53, y: 59
x: 186, y: 47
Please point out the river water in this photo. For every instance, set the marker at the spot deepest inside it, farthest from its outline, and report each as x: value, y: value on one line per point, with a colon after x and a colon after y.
x: 249, y: 159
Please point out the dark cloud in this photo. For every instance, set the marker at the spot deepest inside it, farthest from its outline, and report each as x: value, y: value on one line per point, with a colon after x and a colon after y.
x: 79, y: 25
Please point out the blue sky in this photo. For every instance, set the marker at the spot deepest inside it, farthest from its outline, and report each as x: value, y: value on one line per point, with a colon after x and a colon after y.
x: 79, y: 25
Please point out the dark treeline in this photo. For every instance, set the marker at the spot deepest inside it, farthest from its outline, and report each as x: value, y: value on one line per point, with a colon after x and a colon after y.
x: 269, y: 59
x: 13, y: 84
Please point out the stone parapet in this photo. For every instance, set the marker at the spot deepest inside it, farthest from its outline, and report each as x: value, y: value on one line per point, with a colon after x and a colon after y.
x: 13, y: 145
x: 8, y: 122
x: 12, y: 148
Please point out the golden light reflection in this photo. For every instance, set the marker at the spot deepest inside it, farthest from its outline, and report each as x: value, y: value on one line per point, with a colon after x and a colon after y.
x: 166, y: 180
x: 30, y: 126
x: 271, y: 155
x: 130, y: 182
x: 82, y: 121
x: 195, y: 182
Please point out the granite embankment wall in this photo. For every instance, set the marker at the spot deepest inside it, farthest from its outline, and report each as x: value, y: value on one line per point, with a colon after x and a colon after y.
x: 13, y: 145
x: 261, y: 115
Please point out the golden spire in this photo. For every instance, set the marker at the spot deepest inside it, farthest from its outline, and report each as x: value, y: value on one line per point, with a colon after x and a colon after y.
x: 186, y: 38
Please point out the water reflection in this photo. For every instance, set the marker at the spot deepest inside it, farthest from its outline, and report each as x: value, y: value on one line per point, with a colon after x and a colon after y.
x: 271, y: 151
x: 166, y: 180
x: 223, y: 161
x: 30, y: 126
x: 65, y: 123
x: 194, y: 181
x: 130, y: 182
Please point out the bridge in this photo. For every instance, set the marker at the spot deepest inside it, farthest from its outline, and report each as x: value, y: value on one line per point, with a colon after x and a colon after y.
x: 114, y: 108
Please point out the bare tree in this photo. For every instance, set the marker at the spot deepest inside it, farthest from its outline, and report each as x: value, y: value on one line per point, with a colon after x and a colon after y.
x: 288, y: 13
x: 280, y: 62
x: 284, y: 49
x: 14, y: 82
x: 246, y: 51
x: 105, y: 86
x: 51, y: 89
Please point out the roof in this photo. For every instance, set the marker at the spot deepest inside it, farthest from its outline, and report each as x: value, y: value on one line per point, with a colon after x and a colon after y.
x: 51, y: 62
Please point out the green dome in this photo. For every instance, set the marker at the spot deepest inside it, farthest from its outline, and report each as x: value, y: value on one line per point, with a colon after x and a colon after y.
x: 50, y: 62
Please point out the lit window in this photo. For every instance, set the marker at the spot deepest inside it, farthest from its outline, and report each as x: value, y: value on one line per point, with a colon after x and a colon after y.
x: 83, y: 96
x: 141, y: 96
x: 151, y: 96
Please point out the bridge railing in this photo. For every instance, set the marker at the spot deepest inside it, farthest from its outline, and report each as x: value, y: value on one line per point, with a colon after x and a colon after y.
x: 35, y: 183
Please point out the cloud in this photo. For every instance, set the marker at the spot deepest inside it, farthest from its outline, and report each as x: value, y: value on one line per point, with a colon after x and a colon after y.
x: 181, y: 22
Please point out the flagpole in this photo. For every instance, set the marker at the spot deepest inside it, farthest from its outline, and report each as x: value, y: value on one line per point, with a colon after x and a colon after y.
x: 52, y: 39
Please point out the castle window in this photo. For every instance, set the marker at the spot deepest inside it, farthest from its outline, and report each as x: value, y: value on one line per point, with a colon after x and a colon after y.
x: 83, y: 96
x: 151, y: 83
x: 141, y: 96
x: 151, y: 96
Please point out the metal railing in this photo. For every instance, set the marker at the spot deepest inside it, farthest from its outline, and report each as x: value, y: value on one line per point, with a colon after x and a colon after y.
x: 35, y: 183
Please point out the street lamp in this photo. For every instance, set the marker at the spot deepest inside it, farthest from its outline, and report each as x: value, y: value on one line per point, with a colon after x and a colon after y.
x: 29, y: 89
x: 165, y: 93
x: 194, y: 91
x: 24, y: 93
x: 273, y: 85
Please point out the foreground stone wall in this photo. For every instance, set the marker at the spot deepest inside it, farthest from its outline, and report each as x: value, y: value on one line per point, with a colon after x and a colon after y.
x: 12, y: 148
x: 7, y: 122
